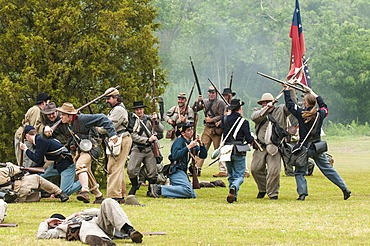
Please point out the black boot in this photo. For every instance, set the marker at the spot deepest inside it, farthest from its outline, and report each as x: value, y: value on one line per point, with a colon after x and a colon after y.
x: 149, y: 192
x: 134, y: 186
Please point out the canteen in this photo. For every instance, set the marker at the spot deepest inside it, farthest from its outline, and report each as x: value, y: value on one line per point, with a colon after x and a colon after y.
x: 85, y: 145
x: 215, y: 153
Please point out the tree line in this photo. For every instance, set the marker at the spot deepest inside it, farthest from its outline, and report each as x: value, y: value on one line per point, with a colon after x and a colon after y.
x: 246, y: 37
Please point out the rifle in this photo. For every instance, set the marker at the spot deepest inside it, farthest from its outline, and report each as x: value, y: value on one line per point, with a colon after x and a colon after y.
x: 56, y: 124
x: 157, y: 153
x: 29, y: 169
x: 198, y: 86
x: 154, y: 233
x: 231, y: 80
x: 191, y: 93
x: 292, y: 79
x: 22, y: 152
x: 14, y: 225
x: 284, y: 83
x: 104, y: 143
x: 194, y: 172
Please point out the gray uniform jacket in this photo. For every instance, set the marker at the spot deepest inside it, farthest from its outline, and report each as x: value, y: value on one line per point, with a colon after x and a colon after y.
x: 119, y: 117
x: 215, y: 112
x: 60, y: 231
x: 140, y: 138
x: 279, y: 113
x: 173, y: 114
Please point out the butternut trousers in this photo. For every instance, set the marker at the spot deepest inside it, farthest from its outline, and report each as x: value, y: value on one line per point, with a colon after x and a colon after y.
x: 116, y: 173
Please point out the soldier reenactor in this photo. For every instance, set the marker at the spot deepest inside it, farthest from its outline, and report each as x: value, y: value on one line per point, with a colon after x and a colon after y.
x: 142, y: 150
x: 177, y: 114
x: 80, y: 131
x: 214, y: 109
x: 119, y: 117
x: 34, y: 117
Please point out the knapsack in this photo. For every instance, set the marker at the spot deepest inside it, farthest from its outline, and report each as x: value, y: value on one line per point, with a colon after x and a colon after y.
x: 278, y: 133
x: 131, y: 122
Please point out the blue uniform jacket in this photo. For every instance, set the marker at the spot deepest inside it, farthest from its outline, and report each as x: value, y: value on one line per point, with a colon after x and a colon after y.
x: 244, y: 134
x: 304, y: 128
x: 43, y: 146
x: 180, y: 153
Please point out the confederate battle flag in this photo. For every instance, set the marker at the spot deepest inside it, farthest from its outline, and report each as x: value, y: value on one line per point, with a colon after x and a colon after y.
x: 298, y: 48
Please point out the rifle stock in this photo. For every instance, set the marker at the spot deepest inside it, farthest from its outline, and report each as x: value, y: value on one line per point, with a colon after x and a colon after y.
x: 195, y: 181
x: 30, y: 169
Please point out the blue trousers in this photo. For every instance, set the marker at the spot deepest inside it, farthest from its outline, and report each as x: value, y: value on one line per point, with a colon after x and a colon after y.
x: 235, y: 170
x: 180, y: 186
x: 67, y: 177
x: 323, y: 164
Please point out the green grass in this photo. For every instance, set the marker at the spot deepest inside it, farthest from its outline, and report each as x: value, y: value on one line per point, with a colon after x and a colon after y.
x: 323, y: 219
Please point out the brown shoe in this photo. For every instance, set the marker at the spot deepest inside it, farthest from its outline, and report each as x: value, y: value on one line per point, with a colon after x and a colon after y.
x: 247, y: 175
x: 94, y: 240
x: 220, y: 174
x: 135, y: 236
x: 99, y: 200
x: 83, y: 196
x: 231, y: 196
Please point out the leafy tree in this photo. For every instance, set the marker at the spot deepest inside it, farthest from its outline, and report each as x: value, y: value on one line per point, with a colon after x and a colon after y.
x: 71, y: 48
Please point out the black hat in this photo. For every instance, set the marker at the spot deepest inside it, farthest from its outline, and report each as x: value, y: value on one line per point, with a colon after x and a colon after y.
x: 28, y: 128
x: 235, y: 104
x: 58, y: 216
x: 42, y: 97
x: 228, y: 91
x: 138, y: 104
x: 182, y: 127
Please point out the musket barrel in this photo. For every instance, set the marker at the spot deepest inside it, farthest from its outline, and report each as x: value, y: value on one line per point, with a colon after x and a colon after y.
x: 218, y: 92
x: 282, y: 82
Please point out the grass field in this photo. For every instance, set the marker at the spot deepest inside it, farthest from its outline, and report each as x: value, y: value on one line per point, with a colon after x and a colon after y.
x: 323, y: 219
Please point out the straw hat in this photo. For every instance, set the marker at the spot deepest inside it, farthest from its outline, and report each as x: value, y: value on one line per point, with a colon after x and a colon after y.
x: 113, y: 92
x: 67, y: 108
x: 132, y: 200
x: 266, y: 97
